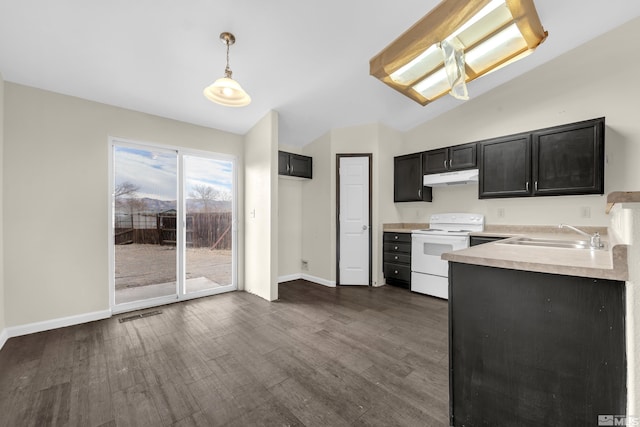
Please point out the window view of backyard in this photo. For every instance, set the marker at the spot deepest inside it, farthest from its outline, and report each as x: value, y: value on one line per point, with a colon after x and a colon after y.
x: 146, y: 232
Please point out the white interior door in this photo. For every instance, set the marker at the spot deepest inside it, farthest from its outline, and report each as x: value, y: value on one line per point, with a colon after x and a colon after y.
x: 354, y: 221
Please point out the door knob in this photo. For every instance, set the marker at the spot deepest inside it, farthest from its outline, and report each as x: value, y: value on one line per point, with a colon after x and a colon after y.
x: 364, y: 227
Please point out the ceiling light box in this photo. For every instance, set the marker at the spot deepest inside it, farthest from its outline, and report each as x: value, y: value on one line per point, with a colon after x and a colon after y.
x: 455, y: 43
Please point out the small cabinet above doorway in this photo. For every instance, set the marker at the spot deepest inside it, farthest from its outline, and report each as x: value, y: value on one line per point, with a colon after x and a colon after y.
x: 294, y: 165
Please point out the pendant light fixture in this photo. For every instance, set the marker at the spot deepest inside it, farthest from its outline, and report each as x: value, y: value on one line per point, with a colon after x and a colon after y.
x: 226, y: 91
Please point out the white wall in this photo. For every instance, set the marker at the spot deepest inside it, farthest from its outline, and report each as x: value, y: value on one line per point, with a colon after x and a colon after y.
x: 2, y: 300
x: 594, y: 80
x: 633, y: 317
x: 625, y: 220
x: 55, y: 197
x: 261, y: 208
x: 290, y: 223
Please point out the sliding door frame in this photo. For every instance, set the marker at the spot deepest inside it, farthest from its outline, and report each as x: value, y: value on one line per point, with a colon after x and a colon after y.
x: 180, y: 294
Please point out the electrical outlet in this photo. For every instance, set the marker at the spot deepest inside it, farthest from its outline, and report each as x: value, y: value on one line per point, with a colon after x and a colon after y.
x: 305, y: 264
x: 585, y: 212
x: 500, y: 212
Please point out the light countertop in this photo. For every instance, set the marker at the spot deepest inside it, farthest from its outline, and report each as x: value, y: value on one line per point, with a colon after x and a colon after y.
x: 404, y: 227
x: 610, y: 263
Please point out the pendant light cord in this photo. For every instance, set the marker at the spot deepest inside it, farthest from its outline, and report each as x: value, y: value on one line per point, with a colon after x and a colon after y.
x: 227, y: 70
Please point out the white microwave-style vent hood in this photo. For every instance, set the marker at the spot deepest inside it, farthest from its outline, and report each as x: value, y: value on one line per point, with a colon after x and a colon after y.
x: 469, y: 176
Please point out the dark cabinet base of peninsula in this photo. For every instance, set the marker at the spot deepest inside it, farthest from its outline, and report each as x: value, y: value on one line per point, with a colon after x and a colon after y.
x: 534, y: 349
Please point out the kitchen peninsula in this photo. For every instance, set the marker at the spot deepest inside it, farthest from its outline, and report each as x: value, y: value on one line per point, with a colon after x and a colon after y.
x: 537, y: 333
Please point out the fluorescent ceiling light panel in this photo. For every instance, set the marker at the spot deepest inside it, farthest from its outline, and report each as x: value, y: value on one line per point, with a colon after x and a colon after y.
x: 493, y: 34
x: 502, y: 46
x: 427, y: 60
x: 434, y: 85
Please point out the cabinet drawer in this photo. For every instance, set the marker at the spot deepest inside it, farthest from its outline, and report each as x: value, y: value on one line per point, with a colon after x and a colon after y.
x: 397, y: 237
x: 397, y: 258
x: 397, y: 247
x: 397, y: 271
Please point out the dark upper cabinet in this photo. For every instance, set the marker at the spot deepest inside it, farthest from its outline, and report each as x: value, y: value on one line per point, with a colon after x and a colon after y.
x: 505, y: 167
x: 407, y: 179
x: 561, y: 160
x: 283, y: 163
x: 569, y: 159
x: 435, y: 161
x: 290, y: 164
x: 447, y: 159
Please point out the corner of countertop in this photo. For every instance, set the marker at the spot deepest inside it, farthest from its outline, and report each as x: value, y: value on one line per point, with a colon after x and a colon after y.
x: 622, y: 197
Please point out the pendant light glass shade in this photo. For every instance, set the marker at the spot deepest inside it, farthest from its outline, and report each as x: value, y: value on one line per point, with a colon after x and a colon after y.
x: 226, y: 91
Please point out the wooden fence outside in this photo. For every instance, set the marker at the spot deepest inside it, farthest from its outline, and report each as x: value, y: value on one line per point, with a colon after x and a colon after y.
x: 210, y: 230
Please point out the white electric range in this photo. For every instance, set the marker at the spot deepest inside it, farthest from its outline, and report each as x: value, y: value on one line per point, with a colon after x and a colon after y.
x: 447, y: 232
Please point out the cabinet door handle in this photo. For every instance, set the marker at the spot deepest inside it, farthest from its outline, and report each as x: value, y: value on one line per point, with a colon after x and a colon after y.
x: 288, y: 168
x: 395, y: 257
x: 419, y: 193
x: 450, y: 161
x: 535, y: 185
x: 395, y: 248
x: 396, y: 271
x: 291, y: 168
x: 445, y: 163
x: 527, y: 187
x: 395, y: 237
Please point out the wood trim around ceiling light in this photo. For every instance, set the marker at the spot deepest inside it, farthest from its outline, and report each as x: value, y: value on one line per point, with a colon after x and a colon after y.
x: 438, y: 24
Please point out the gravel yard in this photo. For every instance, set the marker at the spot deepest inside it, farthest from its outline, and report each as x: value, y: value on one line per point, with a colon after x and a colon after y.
x: 142, y: 265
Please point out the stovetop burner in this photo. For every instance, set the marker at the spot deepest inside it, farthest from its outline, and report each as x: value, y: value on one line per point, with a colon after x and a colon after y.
x: 453, y: 224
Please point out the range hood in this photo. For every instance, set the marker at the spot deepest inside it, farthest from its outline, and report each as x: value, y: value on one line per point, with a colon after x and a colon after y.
x: 469, y: 176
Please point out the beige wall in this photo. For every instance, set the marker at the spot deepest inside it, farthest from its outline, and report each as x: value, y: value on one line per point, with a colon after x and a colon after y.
x: 358, y: 140
x: 2, y: 303
x: 319, y: 238
x: 261, y: 208
x: 318, y: 220
x: 290, y: 222
x: 594, y: 80
x: 55, y: 203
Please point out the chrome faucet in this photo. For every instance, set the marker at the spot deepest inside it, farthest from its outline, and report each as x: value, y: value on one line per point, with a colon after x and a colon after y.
x: 594, y: 239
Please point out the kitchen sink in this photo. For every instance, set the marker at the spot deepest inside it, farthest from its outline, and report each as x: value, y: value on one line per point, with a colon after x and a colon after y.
x: 549, y: 243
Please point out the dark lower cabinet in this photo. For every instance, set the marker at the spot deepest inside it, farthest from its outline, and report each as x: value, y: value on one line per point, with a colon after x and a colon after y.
x: 534, y: 349
x: 408, y: 178
x: 480, y: 240
x: 296, y: 165
x: 396, y: 263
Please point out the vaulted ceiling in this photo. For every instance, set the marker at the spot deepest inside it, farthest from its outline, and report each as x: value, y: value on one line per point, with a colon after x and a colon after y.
x: 307, y: 60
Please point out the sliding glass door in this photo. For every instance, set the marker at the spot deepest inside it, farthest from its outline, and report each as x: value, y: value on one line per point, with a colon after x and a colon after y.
x: 173, y: 216
x: 209, y: 220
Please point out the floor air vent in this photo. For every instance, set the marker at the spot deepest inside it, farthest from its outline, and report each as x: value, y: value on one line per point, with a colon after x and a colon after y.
x: 139, y: 316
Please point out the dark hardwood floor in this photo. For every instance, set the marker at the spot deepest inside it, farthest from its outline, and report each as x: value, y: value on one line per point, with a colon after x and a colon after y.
x: 317, y: 357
